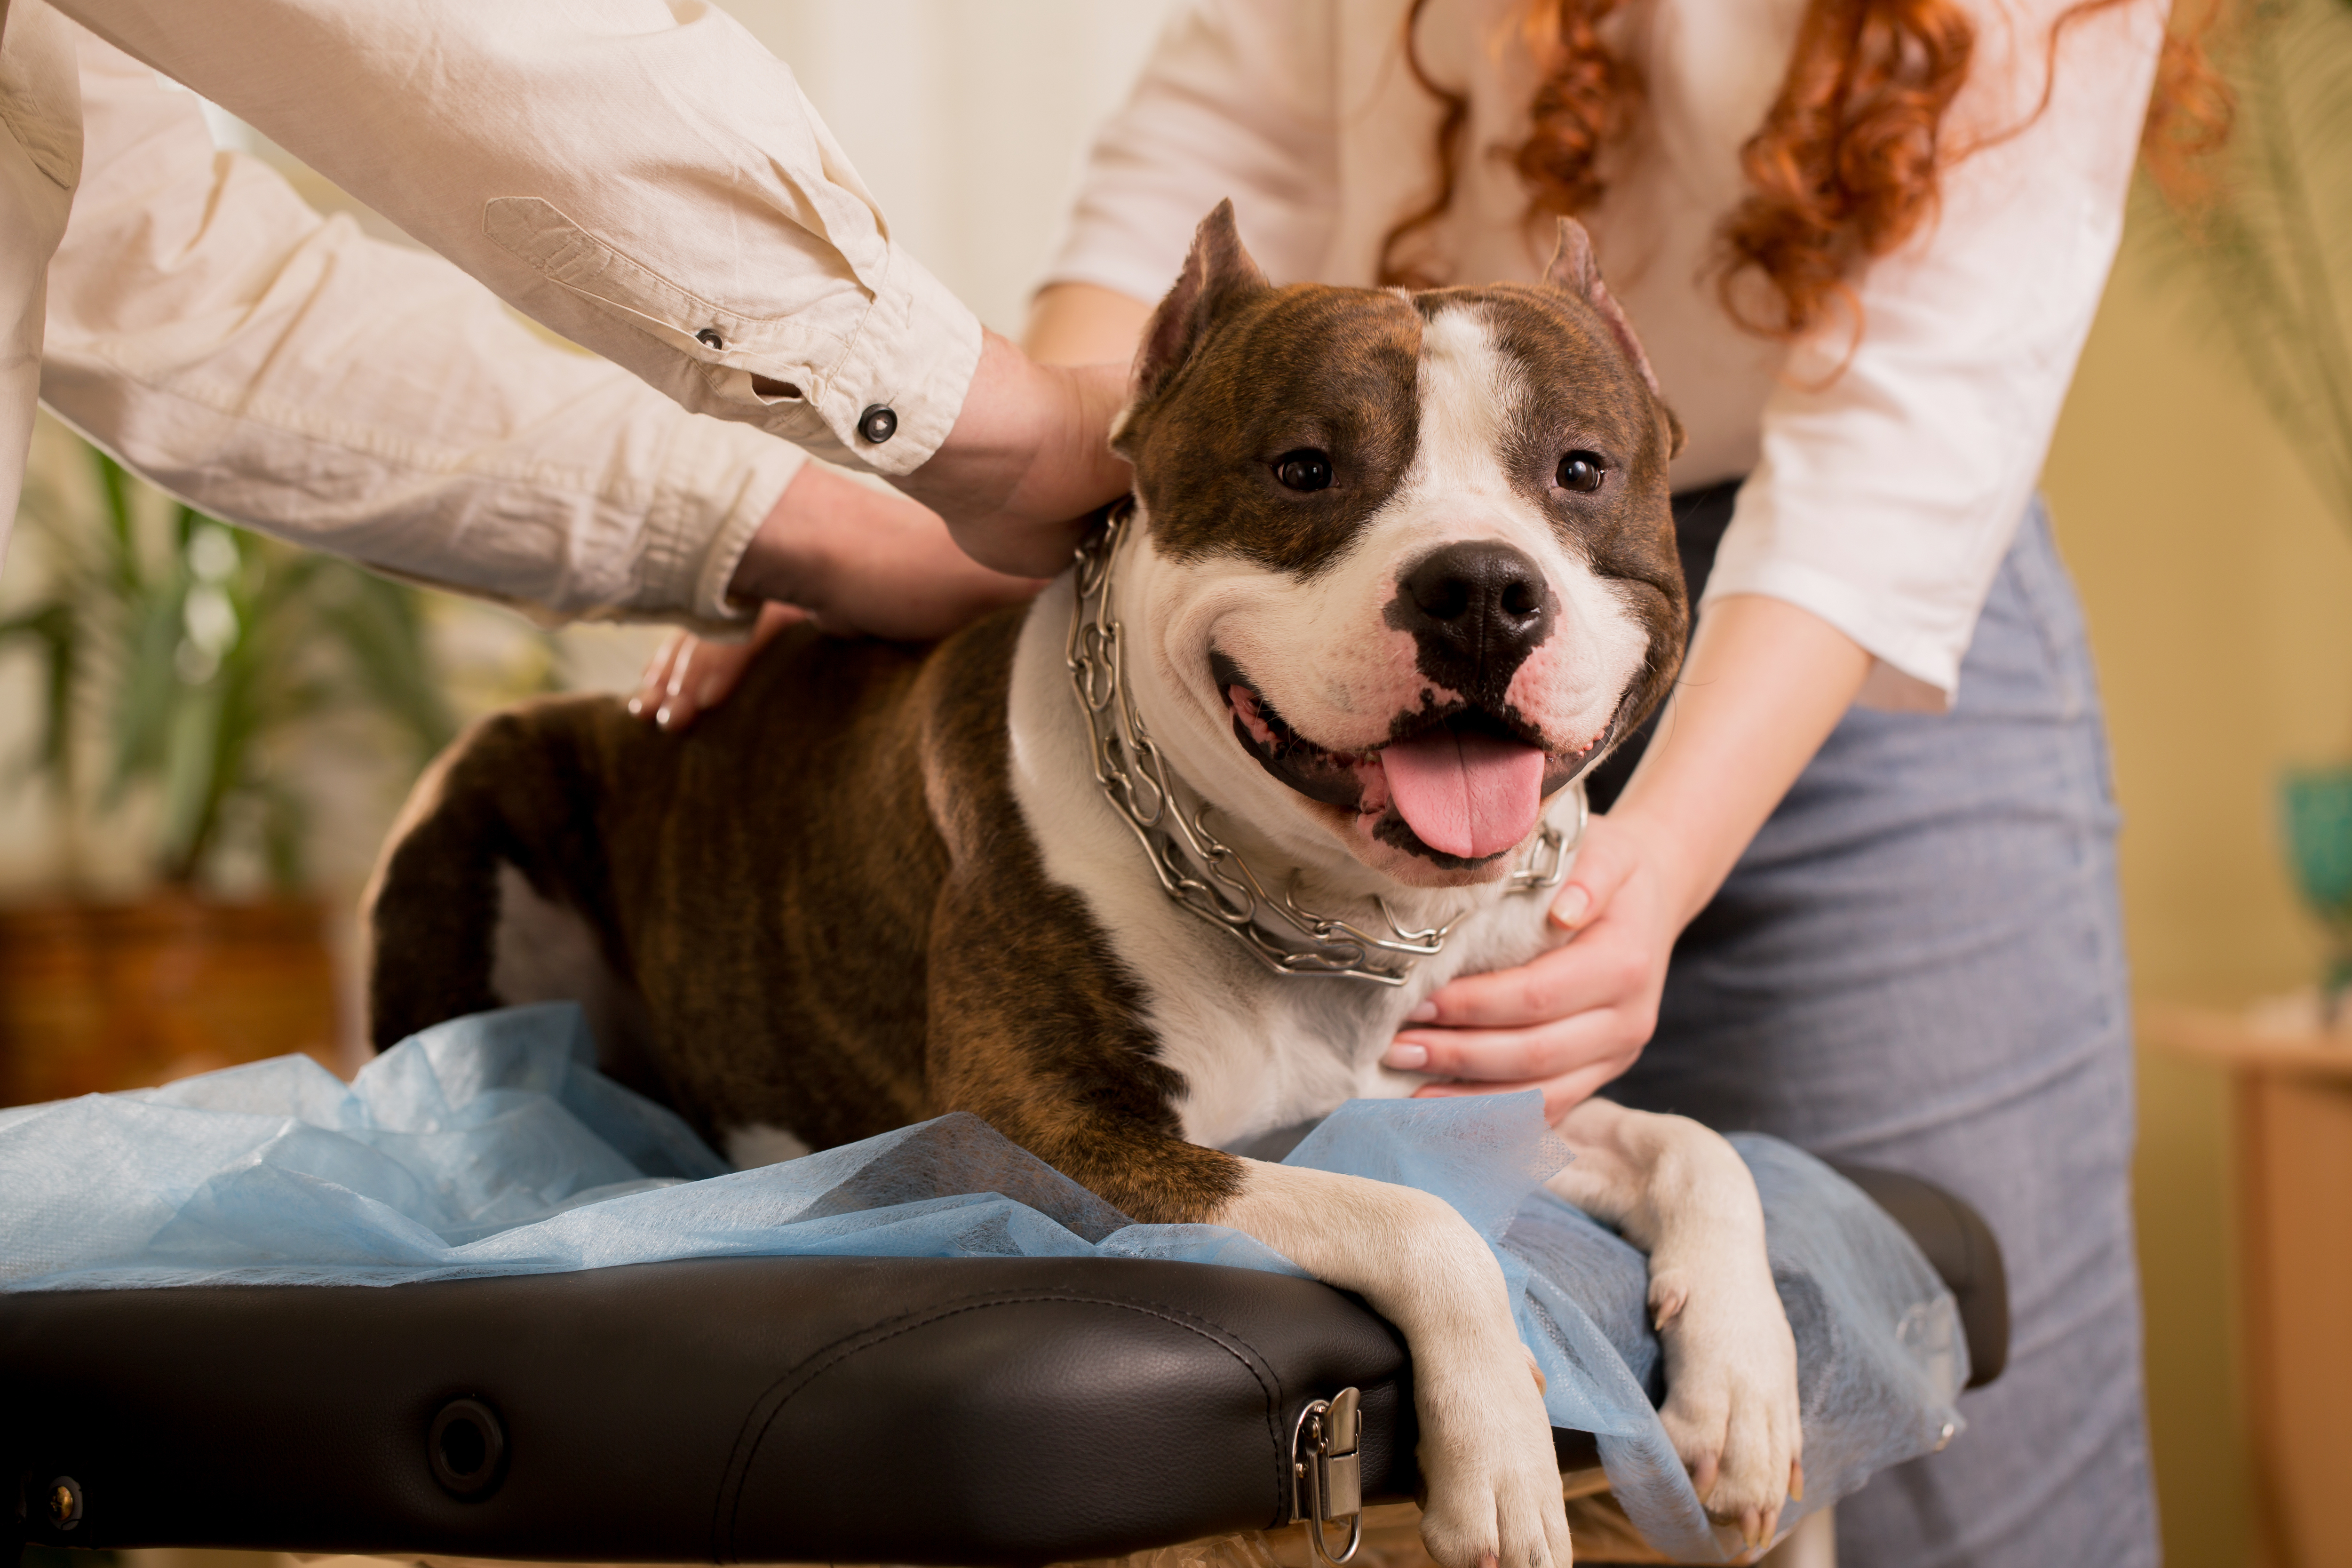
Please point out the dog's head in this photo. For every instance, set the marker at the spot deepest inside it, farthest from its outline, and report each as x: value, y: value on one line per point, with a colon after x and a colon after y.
x: 1407, y: 561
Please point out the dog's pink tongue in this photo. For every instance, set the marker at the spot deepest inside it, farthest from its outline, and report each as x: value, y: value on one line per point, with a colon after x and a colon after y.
x: 1467, y: 795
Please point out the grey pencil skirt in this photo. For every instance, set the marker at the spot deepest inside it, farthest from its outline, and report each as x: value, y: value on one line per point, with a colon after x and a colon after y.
x: 1919, y: 964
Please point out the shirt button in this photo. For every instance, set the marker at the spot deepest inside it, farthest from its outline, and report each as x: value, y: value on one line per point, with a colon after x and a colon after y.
x: 708, y: 338
x: 877, y: 424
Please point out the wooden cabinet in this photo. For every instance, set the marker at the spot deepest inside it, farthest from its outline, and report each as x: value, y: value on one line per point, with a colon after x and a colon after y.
x: 108, y: 996
x: 2292, y: 1170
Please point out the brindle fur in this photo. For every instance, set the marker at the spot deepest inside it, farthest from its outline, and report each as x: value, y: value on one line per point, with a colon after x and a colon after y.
x: 827, y: 900
x: 1307, y: 366
x: 825, y: 894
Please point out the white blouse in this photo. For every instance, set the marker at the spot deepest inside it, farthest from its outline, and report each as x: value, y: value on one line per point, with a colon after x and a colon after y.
x: 1880, y: 496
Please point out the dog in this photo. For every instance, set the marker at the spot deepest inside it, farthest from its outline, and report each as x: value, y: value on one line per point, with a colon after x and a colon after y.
x: 1156, y: 865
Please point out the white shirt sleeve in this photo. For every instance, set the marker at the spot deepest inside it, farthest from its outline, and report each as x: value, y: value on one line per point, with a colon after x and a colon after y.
x: 1888, y: 491
x: 642, y: 177
x: 283, y: 371
x: 1236, y: 101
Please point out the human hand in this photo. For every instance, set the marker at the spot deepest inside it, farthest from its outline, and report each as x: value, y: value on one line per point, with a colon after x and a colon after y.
x: 856, y: 561
x: 1578, y: 1016
x: 866, y: 562
x: 688, y: 675
x: 1028, y: 459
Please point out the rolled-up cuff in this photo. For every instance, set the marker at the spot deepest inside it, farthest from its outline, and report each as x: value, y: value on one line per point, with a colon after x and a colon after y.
x: 720, y: 483
x: 914, y: 356
x: 1916, y: 670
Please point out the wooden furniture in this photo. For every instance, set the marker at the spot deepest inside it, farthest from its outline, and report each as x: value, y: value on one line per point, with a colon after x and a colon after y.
x: 2292, y: 1162
x: 95, y: 997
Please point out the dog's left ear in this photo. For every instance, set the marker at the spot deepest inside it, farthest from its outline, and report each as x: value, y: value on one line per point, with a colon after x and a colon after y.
x: 1574, y: 270
x: 1216, y: 270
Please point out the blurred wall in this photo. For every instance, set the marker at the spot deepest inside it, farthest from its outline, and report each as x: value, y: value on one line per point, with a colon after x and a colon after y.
x: 2220, y: 596
x: 967, y: 118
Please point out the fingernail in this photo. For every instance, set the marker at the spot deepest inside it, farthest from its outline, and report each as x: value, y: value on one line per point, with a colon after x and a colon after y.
x: 636, y: 706
x: 1569, y: 908
x: 1406, y: 1056
x: 1422, y: 1013
x: 661, y: 716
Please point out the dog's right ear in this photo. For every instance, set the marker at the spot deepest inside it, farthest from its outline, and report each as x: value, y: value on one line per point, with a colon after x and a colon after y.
x: 1216, y: 271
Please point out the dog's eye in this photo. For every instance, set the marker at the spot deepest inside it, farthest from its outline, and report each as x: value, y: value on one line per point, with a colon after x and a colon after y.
x: 1581, y: 471
x: 1305, y: 470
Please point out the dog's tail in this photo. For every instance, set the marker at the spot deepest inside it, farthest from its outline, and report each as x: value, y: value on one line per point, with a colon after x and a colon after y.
x: 517, y: 794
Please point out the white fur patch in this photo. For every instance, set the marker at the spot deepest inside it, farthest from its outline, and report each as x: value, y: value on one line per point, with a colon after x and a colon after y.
x: 545, y: 951
x: 760, y: 1144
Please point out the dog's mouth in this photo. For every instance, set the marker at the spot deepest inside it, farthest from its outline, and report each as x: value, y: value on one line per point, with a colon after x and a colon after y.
x: 1458, y: 785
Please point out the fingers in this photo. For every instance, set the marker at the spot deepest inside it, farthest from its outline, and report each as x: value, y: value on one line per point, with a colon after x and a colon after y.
x: 1489, y: 1058
x: 688, y: 677
x: 1560, y: 1094
x: 1567, y: 1010
x: 1619, y: 973
x: 1603, y: 861
x: 652, y: 698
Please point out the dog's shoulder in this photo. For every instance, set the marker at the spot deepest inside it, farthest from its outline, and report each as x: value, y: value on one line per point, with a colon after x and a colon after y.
x: 958, y: 710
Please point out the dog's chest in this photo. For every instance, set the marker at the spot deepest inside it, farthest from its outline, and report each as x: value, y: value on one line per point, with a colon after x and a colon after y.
x: 1256, y: 1050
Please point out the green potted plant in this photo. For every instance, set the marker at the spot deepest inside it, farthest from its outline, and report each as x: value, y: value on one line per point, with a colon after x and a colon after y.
x: 2270, y: 226
x: 181, y: 659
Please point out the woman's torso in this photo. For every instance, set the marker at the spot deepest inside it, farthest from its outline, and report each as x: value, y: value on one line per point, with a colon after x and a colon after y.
x: 1711, y: 69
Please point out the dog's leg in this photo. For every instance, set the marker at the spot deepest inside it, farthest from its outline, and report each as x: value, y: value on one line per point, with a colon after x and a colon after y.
x: 491, y: 835
x: 431, y: 909
x: 1682, y: 1194
x: 1061, y: 1063
x: 1487, y: 1457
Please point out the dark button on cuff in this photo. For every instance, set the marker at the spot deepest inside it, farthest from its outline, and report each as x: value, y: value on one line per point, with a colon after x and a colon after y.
x: 877, y: 424
x: 708, y: 338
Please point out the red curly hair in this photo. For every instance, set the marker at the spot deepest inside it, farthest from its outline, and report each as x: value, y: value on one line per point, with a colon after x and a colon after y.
x: 1845, y: 165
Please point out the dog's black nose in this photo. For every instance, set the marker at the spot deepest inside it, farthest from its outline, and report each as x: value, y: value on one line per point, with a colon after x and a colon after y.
x: 1476, y: 609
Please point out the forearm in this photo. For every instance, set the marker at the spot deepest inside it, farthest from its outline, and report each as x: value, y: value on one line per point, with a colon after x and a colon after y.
x: 1763, y: 686
x: 1084, y: 324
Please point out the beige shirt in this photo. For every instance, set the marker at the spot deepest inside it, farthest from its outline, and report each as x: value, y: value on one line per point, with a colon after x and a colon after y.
x: 1880, y: 498
x: 642, y: 178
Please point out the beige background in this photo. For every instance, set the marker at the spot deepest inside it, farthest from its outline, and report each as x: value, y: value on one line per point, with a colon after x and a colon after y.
x: 2219, y: 595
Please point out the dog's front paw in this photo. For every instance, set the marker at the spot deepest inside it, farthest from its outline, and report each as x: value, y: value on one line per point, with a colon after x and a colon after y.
x: 1493, y: 1497
x: 1731, y: 1409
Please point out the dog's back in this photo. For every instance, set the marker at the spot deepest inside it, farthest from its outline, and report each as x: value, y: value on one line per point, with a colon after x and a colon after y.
x: 760, y: 837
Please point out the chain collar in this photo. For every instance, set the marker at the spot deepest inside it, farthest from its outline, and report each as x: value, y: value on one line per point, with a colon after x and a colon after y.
x: 1195, y: 868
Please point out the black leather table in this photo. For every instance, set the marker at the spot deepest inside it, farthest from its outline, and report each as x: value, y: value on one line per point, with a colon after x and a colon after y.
x: 900, y: 1410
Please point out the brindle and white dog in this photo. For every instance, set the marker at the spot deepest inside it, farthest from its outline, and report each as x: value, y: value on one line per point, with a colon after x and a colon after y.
x: 1401, y: 567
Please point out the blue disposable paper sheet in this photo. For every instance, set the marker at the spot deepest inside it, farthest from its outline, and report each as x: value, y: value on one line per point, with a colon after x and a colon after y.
x: 490, y: 1146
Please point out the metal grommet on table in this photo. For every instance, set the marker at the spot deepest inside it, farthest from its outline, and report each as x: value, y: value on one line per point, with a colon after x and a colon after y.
x: 878, y: 424
x: 467, y: 1448
x: 64, y: 1503
x: 708, y: 338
